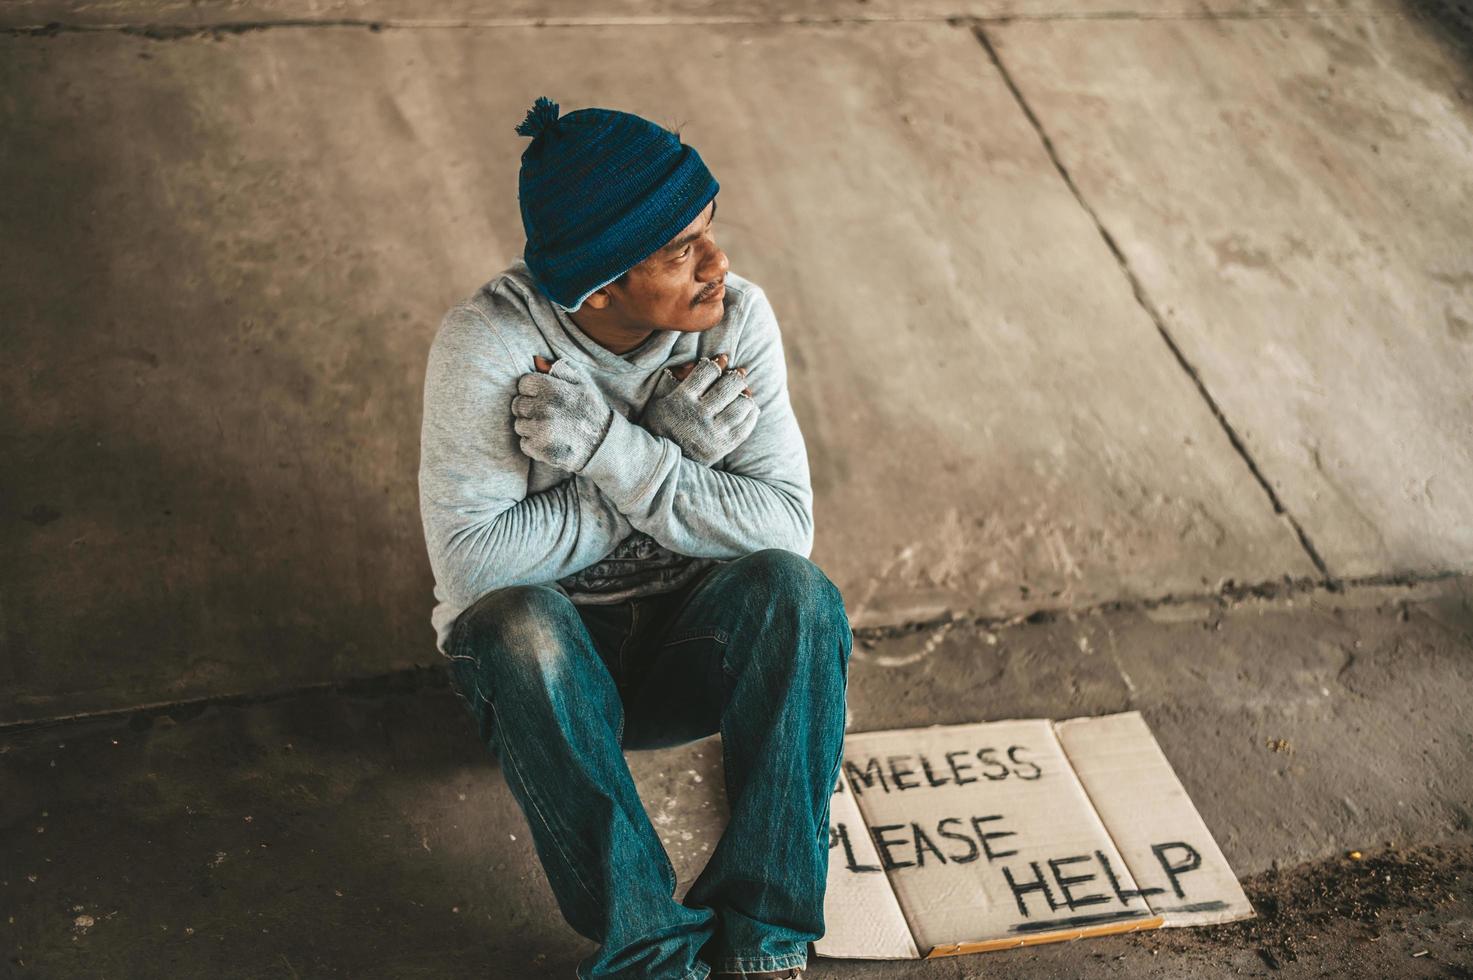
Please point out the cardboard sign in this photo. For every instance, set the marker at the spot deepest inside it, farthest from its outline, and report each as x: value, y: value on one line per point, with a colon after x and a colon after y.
x: 963, y: 838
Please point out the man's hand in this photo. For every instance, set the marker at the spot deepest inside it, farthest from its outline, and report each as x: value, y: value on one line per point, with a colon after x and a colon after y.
x: 706, y: 410
x: 561, y: 415
x: 680, y: 372
x: 683, y: 370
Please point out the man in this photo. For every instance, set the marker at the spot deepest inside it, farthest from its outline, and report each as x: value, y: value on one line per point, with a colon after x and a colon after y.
x: 619, y: 523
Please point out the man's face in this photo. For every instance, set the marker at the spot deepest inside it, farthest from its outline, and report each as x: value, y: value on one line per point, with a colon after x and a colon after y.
x: 680, y: 287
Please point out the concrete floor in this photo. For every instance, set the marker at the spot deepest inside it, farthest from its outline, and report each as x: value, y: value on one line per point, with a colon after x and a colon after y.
x: 368, y: 834
x: 1166, y: 306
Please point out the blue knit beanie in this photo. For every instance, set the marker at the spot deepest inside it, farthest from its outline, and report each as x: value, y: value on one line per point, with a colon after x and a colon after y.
x: 601, y: 191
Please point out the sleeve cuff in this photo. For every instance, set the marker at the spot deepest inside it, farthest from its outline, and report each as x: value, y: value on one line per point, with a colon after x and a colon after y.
x: 627, y: 462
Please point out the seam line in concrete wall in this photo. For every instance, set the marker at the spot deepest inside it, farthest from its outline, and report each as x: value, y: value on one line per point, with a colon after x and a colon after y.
x: 175, y: 32
x: 412, y: 679
x: 1144, y: 301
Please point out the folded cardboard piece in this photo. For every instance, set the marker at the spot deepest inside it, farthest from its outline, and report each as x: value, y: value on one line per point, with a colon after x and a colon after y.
x: 963, y: 838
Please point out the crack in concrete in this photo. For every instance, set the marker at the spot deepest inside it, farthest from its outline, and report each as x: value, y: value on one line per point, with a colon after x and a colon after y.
x: 413, y: 679
x: 1229, y: 593
x: 177, y: 32
x: 1145, y: 303
x: 406, y: 681
x: 418, y: 678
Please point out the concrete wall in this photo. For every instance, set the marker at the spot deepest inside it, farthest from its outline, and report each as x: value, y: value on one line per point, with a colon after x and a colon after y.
x: 224, y: 254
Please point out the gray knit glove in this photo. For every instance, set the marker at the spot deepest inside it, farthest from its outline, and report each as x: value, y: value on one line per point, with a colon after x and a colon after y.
x: 561, y: 416
x: 706, y: 414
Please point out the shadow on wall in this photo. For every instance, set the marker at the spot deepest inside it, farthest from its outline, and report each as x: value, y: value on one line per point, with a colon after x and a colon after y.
x: 212, y: 392
x: 1451, y: 22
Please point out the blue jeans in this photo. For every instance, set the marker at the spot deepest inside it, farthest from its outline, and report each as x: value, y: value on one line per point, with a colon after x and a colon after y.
x: 756, y: 648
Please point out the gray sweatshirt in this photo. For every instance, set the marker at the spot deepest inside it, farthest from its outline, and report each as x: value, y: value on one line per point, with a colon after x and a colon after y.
x: 642, y: 517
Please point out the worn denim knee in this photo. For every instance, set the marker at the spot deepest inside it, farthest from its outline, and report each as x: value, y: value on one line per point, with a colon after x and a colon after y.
x: 798, y: 594
x: 780, y: 628
x: 787, y: 571
x: 512, y: 642
x: 550, y: 710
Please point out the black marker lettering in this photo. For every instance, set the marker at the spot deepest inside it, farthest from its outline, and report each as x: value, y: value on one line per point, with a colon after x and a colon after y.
x: 923, y: 844
x: 956, y: 770
x: 1124, y: 894
x: 1038, y: 884
x: 883, y: 845
x: 972, y: 852
x: 849, y: 861
x: 1033, y: 771
x: 985, y: 836
x: 999, y: 771
x: 930, y: 776
x: 1068, y: 881
x: 896, y: 772
x: 856, y: 776
x: 1191, y: 862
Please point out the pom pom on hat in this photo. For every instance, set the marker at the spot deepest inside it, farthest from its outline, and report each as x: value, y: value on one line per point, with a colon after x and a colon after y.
x: 540, y: 118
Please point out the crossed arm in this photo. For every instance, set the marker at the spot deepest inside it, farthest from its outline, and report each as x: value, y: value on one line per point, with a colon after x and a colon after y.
x: 485, y: 531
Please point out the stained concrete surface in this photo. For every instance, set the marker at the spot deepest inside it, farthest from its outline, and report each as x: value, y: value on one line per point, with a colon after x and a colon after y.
x: 222, y: 257
x: 228, y: 258
x: 173, y: 15
x: 326, y: 835
x: 1294, y: 198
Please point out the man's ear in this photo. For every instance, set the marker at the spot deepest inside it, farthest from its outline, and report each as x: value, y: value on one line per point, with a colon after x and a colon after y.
x: 599, y: 299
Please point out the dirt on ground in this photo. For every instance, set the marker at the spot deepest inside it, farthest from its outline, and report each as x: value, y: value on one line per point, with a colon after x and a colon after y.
x: 1312, y: 913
